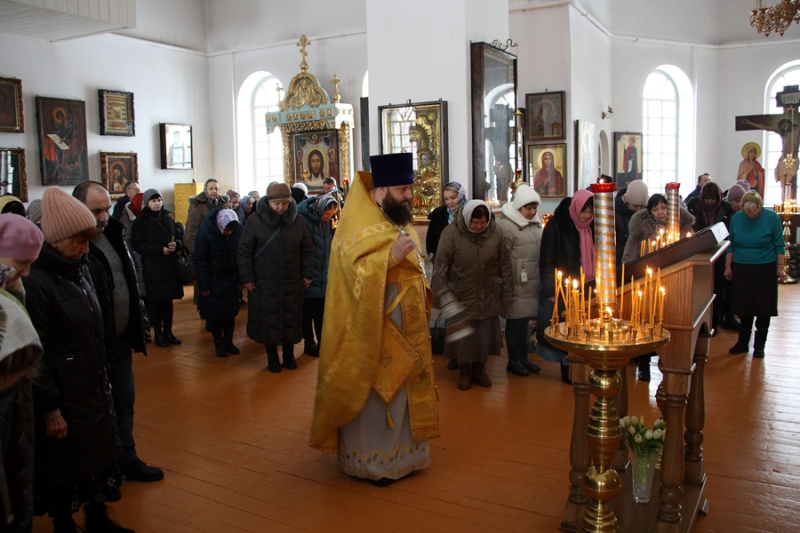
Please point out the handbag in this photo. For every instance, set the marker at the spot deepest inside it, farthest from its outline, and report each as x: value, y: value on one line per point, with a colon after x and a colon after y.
x: 438, y: 334
x: 184, y: 267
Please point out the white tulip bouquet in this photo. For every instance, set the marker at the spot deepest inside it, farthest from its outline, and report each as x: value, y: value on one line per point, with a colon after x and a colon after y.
x: 641, y: 440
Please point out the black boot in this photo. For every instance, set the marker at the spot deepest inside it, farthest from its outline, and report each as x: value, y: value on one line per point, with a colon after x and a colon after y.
x: 227, y: 337
x: 288, y: 357
x: 565, y: 374
x: 216, y: 332
x: 167, y: 317
x: 273, y: 361
x: 452, y: 364
x: 743, y: 344
x: 644, y: 367
x: 310, y: 348
x: 64, y: 524
x: 762, y: 327
x: 97, y: 520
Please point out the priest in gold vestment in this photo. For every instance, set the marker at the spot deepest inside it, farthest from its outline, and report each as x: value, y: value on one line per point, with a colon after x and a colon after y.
x: 375, y: 404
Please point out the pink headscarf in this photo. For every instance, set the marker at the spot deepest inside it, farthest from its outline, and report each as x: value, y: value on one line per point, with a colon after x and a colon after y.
x: 579, y: 200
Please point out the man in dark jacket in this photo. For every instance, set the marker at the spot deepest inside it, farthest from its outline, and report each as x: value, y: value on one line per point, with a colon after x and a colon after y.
x: 276, y: 264
x: 131, y: 189
x: 114, y: 275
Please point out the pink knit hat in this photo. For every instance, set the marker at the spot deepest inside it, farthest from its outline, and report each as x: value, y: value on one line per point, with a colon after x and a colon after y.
x: 63, y: 216
x: 19, y: 238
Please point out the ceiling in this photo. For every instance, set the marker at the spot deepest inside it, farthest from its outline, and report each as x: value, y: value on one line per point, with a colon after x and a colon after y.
x: 51, y: 20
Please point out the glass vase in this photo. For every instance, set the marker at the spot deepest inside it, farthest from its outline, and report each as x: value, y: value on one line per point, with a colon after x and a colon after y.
x: 642, y: 471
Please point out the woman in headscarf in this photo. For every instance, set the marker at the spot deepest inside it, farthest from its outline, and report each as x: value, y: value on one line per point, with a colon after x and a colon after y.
x: 473, y: 263
x: 77, y: 440
x: 454, y: 196
x: 131, y: 212
x: 548, y: 181
x: 155, y: 239
x: 317, y: 212
x: 567, y: 245
x: 215, y: 261
x: 11, y: 204
x: 708, y: 209
x: 522, y: 227
x: 754, y: 264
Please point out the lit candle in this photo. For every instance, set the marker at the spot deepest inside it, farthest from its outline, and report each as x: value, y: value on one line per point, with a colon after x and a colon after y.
x: 688, y: 234
x: 589, y: 308
x: 622, y: 293
x: 576, y: 304
x: 661, y: 306
x: 633, y: 302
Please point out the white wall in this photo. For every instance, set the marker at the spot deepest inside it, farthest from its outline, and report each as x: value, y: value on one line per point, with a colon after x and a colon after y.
x: 245, y: 24
x: 176, y: 22
x: 168, y: 86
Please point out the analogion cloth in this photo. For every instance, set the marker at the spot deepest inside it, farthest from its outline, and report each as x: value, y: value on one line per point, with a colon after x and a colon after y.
x: 365, y: 351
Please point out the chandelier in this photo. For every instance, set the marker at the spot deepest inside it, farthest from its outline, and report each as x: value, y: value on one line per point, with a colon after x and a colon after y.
x: 776, y: 18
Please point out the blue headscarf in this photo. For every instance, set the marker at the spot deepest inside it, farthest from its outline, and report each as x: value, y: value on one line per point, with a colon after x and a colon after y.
x: 462, y: 198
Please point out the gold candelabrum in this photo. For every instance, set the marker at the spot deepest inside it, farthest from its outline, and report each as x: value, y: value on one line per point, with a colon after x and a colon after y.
x: 606, y: 344
x: 777, y: 18
x: 786, y: 211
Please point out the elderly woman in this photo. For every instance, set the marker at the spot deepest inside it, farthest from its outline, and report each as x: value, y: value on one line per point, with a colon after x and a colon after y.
x: 155, y: 240
x: 77, y: 442
x: 20, y: 350
x: 454, y: 196
x: 522, y: 227
x: 708, y: 209
x: 472, y: 261
x: 317, y: 212
x: 754, y: 263
x: 568, y: 246
x: 215, y: 250
x: 646, y: 224
x: 735, y: 194
x: 236, y: 204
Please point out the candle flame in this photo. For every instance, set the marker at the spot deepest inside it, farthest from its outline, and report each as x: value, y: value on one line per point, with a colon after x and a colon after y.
x: 663, y: 290
x: 688, y: 234
x: 649, y: 271
x: 609, y: 311
x: 575, y: 284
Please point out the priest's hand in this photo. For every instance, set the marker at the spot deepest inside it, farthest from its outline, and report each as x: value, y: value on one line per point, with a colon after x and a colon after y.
x: 402, y: 247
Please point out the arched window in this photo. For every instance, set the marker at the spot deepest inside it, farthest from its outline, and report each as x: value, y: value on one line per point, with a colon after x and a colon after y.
x: 788, y: 74
x: 667, y: 128
x: 259, y: 151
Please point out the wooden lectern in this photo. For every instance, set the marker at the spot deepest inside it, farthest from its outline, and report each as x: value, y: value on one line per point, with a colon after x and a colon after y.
x: 687, y: 273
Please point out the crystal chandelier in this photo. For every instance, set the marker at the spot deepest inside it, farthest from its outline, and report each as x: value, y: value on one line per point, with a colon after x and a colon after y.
x: 776, y: 18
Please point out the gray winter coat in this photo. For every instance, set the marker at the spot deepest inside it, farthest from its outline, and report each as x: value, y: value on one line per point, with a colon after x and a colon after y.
x: 475, y: 266
x: 275, y: 309
x: 523, y: 239
x: 642, y: 227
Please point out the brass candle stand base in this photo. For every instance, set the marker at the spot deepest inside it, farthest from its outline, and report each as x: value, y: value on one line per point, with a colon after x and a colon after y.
x: 606, y: 345
x: 787, y: 237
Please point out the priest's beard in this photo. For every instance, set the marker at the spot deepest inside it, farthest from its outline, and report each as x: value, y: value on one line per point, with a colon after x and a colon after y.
x: 398, y: 212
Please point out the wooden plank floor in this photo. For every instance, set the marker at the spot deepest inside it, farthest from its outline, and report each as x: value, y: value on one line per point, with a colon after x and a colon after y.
x: 232, y: 439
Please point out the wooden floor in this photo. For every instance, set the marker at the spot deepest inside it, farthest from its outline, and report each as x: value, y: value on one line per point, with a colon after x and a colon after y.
x: 232, y: 439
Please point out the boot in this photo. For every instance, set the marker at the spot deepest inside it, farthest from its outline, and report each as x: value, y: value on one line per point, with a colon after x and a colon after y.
x: 166, y: 316
x: 98, y: 521
x: 743, y: 344
x: 160, y: 341
x: 644, y: 367
x: 64, y: 524
x: 465, y: 377
x: 762, y: 327
x: 730, y: 322
x: 172, y: 339
x: 273, y: 361
x: 288, y: 357
x: 452, y: 364
x: 565, y: 374
x: 219, y: 345
x: 310, y: 348
x: 227, y: 338
x: 479, y: 376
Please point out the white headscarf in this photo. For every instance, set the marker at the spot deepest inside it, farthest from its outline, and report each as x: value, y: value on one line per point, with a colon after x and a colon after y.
x: 18, y: 331
x: 469, y: 207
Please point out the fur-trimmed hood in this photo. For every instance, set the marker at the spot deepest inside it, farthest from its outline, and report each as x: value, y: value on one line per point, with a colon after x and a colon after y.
x: 642, y: 228
x: 271, y: 217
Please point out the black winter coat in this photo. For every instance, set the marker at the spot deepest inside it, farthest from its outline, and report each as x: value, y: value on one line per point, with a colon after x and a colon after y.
x: 438, y: 221
x: 152, y: 232
x: 321, y: 236
x: 561, y: 249
x: 64, y: 310
x: 217, y: 269
x: 104, y: 285
x: 724, y: 214
x: 15, y: 458
x: 275, y: 310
